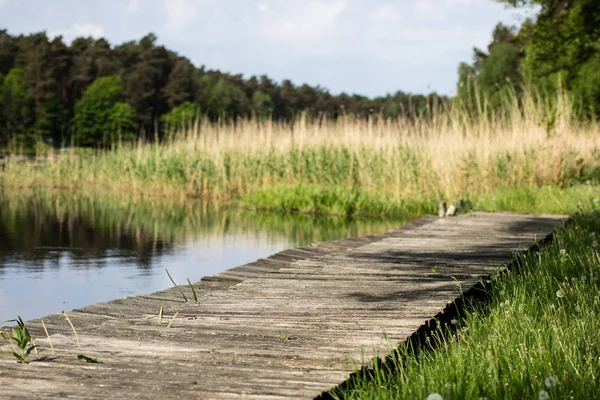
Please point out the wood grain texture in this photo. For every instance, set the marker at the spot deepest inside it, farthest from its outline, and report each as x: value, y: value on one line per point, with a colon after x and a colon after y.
x: 287, y: 327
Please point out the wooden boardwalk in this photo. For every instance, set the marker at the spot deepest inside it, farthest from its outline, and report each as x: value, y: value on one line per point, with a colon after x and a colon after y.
x: 289, y: 326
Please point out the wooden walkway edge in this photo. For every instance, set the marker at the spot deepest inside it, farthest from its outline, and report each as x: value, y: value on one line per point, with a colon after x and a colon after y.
x: 287, y: 327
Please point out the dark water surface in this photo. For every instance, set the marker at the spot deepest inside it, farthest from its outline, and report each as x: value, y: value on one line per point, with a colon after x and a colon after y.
x: 60, y: 251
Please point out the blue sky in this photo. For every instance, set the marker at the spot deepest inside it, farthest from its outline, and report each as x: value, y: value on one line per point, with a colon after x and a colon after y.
x: 366, y: 47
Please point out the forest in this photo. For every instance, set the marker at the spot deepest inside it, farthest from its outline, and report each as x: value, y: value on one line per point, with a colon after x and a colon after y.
x: 89, y: 91
x: 93, y: 93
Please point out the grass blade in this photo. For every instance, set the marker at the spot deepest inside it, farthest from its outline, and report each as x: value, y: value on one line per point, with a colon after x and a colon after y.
x: 174, y: 284
x: 48, y: 336
x: 193, y: 290
x: 160, y: 314
x: 72, y: 327
x: 172, y: 319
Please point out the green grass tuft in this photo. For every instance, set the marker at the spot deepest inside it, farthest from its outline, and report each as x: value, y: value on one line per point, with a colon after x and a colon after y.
x: 193, y: 290
x: 177, y: 286
x: 20, y: 341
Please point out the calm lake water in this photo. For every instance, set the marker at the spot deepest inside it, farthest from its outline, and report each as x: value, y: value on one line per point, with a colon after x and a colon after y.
x: 60, y: 251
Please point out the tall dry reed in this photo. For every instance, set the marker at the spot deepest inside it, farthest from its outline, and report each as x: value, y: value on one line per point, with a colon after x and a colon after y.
x: 450, y: 154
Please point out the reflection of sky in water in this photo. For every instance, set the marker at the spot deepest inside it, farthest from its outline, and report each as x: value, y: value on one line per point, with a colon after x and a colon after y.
x: 33, y: 289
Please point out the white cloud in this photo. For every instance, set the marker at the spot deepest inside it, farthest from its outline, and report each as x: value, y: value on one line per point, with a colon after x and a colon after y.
x: 262, y: 7
x: 386, y: 12
x: 306, y: 25
x: 424, y: 6
x: 79, y: 30
x: 181, y: 14
x: 88, y: 29
x: 133, y: 6
x: 465, y: 1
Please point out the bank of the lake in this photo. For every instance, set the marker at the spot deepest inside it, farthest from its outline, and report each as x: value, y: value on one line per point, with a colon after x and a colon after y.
x: 346, y: 167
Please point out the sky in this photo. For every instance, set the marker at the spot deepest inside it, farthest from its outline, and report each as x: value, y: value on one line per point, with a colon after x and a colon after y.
x: 369, y: 47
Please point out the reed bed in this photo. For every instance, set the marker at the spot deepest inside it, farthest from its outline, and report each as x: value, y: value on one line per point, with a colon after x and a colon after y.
x: 346, y: 166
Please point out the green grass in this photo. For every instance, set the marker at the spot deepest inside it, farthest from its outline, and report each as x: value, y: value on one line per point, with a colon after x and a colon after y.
x: 19, y: 340
x: 536, y: 337
x: 314, y: 199
x: 177, y: 286
x: 336, y: 200
x: 543, y: 200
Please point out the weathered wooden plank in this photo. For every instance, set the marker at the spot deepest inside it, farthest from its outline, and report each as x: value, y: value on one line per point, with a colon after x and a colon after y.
x: 288, y: 326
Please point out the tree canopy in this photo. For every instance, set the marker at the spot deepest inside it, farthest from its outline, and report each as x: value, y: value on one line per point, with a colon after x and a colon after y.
x: 562, y: 43
x: 91, y: 93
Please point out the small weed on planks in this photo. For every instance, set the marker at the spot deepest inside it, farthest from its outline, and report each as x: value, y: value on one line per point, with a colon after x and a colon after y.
x: 20, y: 340
x: 193, y: 290
x: 178, y: 288
x: 181, y: 291
x: 72, y: 327
x: 172, y: 319
x: 94, y: 360
x: 48, y: 336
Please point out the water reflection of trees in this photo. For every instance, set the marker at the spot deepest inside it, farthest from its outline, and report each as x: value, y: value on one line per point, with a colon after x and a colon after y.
x: 37, y: 235
x: 42, y: 226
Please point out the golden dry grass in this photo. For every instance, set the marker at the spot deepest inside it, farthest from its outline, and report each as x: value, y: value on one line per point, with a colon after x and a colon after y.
x: 449, y: 155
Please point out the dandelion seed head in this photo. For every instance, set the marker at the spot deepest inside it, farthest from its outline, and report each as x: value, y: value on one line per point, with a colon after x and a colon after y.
x: 454, y: 321
x: 550, y: 381
x: 563, y: 252
x: 434, y: 396
x: 543, y: 395
x: 560, y: 294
